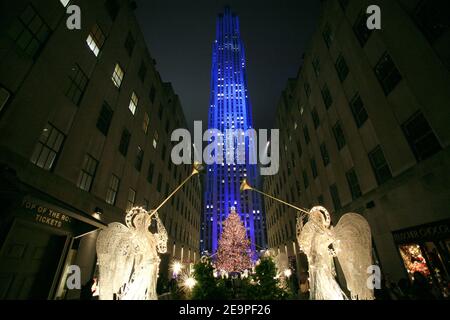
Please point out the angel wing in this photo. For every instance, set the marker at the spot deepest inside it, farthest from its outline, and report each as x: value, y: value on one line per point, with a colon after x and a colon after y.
x: 353, y: 247
x: 115, y: 251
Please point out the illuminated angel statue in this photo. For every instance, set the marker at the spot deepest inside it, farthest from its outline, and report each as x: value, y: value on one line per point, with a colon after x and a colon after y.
x: 128, y: 257
x: 350, y: 241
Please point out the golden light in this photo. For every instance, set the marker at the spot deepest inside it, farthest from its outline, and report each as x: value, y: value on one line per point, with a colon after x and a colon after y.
x: 190, y: 283
x: 176, y: 267
x: 287, y: 273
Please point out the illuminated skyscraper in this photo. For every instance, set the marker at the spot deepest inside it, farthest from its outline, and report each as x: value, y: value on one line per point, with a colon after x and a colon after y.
x: 230, y: 109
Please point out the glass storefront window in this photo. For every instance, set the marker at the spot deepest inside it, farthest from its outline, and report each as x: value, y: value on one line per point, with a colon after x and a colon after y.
x: 414, y: 260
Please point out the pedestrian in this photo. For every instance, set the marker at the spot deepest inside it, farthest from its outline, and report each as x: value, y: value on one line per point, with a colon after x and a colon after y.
x: 421, y: 289
x: 86, y: 290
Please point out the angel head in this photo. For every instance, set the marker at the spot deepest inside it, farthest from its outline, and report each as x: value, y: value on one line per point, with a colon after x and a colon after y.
x: 138, y: 218
x: 320, y: 215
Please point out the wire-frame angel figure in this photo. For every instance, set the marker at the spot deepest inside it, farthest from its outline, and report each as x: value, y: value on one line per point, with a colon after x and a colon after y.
x: 128, y: 257
x: 350, y: 242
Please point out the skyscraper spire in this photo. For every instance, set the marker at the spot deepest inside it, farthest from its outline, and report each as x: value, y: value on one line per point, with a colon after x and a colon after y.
x: 230, y: 109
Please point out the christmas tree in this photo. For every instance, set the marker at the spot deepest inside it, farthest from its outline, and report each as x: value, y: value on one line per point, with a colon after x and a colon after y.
x: 234, y: 253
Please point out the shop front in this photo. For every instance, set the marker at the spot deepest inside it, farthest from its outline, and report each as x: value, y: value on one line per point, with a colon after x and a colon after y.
x: 38, y: 233
x: 426, y: 249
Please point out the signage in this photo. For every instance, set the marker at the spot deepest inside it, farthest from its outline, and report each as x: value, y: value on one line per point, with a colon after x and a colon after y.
x: 46, y: 215
x: 427, y: 232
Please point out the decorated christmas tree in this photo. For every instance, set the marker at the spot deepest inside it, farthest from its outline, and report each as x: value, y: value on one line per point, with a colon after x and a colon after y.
x: 234, y: 253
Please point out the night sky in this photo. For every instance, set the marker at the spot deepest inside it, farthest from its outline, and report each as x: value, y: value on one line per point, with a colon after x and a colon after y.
x: 179, y: 35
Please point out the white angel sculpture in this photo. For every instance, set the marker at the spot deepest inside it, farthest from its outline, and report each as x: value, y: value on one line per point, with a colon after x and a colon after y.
x: 350, y: 241
x: 128, y: 257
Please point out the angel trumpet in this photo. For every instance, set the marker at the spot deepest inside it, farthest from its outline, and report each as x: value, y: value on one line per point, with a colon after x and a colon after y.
x: 246, y: 186
x: 197, y: 168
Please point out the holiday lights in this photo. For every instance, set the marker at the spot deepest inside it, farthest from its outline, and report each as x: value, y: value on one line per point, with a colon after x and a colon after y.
x: 234, y: 253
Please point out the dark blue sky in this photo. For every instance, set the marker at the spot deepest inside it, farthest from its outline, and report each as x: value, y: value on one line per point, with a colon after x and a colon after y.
x: 179, y: 35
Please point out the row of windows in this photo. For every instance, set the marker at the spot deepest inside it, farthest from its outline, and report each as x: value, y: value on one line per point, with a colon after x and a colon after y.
x: 49, y: 147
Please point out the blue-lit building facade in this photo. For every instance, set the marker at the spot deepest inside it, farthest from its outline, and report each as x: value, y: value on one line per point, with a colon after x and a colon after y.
x: 230, y: 109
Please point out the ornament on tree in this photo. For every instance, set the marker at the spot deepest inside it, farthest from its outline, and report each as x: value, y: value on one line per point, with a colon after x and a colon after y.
x: 234, y: 254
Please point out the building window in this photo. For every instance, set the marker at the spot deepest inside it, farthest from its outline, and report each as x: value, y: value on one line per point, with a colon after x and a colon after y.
x: 64, y: 2
x: 131, y: 199
x: 159, y: 183
x: 339, y: 135
x: 151, y: 170
x: 29, y: 31
x: 328, y: 36
x: 124, y: 142
x: 48, y: 147
x: 358, y: 110
x: 316, y: 66
x: 113, y: 188
x: 117, y: 76
x: 139, y: 159
x: 335, y: 197
x: 95, y: 40
x: 155, y: 140
x: 307, y: 89
x: 112, y: 7
x: 421, y: 137
x: 305, y: 179
x: 379, y: 165
x: 104, y: 119
x: 325, y: 155
x: 342, y: 68
x: 146, y: 122
x: 142, y: 73
x: 314, y: 168
x: 315, y: 118
x: 306, y: 134
x: 387, y: 73
x: 152, y: 94
x: 326, y: 95
x: 361, y: 31
x: 130, y: 43
x: 133, y: 103
x: 353, y: 184
x: 432, y: 18
x: 87, y: 173
x: 77, y: 84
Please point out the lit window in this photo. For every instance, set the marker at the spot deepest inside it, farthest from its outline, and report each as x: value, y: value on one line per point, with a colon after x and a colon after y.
x: 95, y: 40
x: 87, y: 173
x: 146, y: 123
x: 155, y: 140
x: 64, y: 2
x: 131, y: 199
x: 133, y: 103
x: 113, y: 188
x: 117, y: 76
x: 48, y: 147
